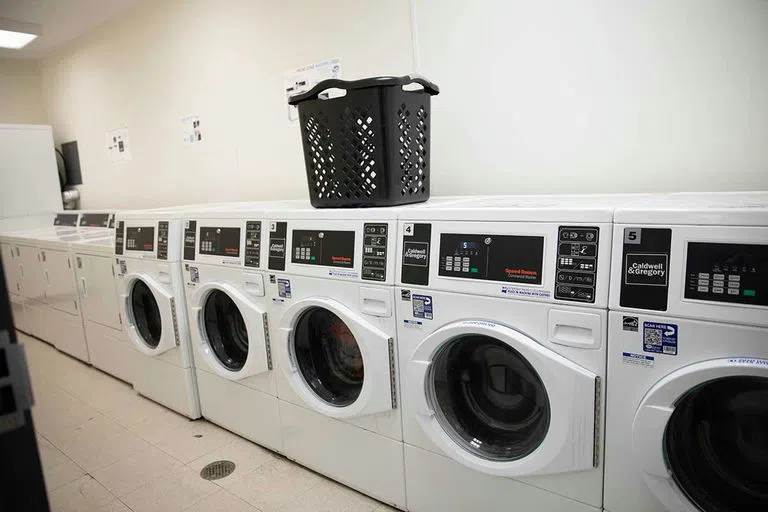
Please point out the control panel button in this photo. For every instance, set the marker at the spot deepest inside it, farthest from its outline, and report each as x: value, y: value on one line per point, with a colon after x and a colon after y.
x: 703, y: 289
x: 718, y: 277
x: 733, y: 291
x: 733, y: 284
x: 717, y: 289
x: 734, y: 277
x: 703, y: 282
x: 703, y: 275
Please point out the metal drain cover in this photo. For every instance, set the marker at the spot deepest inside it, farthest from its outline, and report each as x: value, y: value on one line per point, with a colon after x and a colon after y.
x: 218, y: 469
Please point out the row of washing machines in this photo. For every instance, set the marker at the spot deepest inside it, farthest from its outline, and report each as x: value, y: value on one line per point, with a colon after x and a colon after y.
x: 552, y: 353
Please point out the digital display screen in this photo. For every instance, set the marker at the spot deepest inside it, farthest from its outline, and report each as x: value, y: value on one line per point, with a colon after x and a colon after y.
x: 219, y: 241
x: 326, y: 248
x: 140, y: 239
x: 503, y: 258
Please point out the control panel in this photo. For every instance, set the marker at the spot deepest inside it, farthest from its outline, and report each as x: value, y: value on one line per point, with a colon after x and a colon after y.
x: 95, y: 220
x: 111, y: 221
x: 120, y: 237
x: 375, y: 252
x: 503, y: 258
x: 65, y: 219
x: 724, y: 272
x: 252, y: 243
x: 190, y: 238
x: 576, y: 273
x: 140, y: 238
x: 326, y: 248
x: 220, y: 241
x: 162, y: 240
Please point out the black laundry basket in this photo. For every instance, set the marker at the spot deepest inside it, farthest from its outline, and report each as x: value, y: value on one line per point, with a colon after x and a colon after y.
x: 369, y: 147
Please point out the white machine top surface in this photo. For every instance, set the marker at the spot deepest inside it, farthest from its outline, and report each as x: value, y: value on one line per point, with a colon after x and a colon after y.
x: 523, y: 209
x: 104, y: 245
x: 724, y: 209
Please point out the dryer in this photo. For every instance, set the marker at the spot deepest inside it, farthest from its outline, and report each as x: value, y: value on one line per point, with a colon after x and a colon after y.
x: 502, y: 317
x: 333, y: 338
x: 687, y: 404
x: 150, y: 287
x: 224, y: 263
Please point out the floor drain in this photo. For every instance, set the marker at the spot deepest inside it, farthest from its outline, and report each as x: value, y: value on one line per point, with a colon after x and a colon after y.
x: 218, y: 469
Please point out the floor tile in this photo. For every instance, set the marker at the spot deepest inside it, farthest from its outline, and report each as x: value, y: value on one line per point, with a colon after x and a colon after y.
x: 222, y: 501
x: 272, y: 485
x: 178, y: 490
x: 330, y: 496
x: 99, y: 442
x: 84, y: 494
x: 246, y: 456
x: 132, y: 410
x: 61, y: 474
x: 133, y: 471
x: 184, y: 439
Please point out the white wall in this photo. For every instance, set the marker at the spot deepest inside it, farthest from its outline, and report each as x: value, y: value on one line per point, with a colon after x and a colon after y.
x: 224, y: 61
x: 596, y: 95
x: 554, y: 96
x: 21, y: 100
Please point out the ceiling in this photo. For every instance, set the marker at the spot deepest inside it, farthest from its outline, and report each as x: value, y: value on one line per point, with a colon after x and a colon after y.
x: 61, y: 21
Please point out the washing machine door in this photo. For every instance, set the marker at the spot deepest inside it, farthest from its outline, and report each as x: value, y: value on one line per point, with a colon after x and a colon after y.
x: 150, y: 313
x: 500, y: 403
x: 335, y: 360
x: 700, y: 436
x: 231, y: 330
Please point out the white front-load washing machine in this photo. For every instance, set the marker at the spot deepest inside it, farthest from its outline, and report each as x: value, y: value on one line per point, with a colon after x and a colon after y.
x: 224, y: 264
x: 687, y: 398
x: 150, y: 286
x: 332, y: 333
x: 502, y: 317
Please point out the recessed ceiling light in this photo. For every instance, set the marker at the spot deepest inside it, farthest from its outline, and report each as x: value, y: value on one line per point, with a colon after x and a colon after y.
x: 16, y: 34
x: 15, y: 40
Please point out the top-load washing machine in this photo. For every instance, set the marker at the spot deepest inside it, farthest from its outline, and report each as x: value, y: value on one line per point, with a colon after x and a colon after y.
x: 332, y: 336
x: 150, y: 287
x: 502, y: 317
x: 109, y: 348
x: 687, y: 403
x: 224, y: 262
x: 46, y: 279
x: 23, y: 272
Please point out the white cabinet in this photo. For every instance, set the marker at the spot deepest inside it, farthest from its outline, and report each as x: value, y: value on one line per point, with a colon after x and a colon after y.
x: 98, y: 294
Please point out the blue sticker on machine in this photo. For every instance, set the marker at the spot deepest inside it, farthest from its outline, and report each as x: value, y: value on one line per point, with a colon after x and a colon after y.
x: 422, y: 306
x: 284, y: 288
x: 660, y: 338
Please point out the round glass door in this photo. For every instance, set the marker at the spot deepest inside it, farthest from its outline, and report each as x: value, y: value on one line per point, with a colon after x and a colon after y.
x: 146, y: 314
x: 716, y: 444
x: 328, y: 357
x: 225, y: 330
x: 488, y: 398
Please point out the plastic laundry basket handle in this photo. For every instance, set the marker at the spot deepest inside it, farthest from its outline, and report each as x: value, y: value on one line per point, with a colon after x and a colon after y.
x: 379, y: 81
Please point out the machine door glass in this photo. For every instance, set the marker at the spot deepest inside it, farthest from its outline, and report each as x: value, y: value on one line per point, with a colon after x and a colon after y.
x: 146, y: 313
x: 489, y: 398
x: 328, y: 356
x: 716, y: 444
x: 225, y: 330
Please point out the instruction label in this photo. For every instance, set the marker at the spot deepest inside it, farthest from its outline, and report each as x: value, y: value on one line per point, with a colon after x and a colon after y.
x: 422, y: 306
x: 637, y: 359
x: 660, y: 338
x: 525, y: 292
x: 284, y: 288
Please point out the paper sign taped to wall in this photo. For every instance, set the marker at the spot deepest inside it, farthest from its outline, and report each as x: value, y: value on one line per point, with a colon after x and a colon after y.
x: 118, y: 145
x: 304, y: 78
x: 192, y: 132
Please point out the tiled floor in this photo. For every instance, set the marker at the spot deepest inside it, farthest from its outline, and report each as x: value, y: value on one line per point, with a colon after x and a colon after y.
x: 106, y: 449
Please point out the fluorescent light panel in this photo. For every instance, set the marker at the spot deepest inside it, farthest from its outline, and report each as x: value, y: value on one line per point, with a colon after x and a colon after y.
x: 17, y: 34
x: 15, y: 40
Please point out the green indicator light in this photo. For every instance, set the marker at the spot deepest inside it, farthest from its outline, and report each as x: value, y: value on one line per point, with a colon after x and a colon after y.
x: 312, y: 258
x: 749, y: 293
x: 473, y: 270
